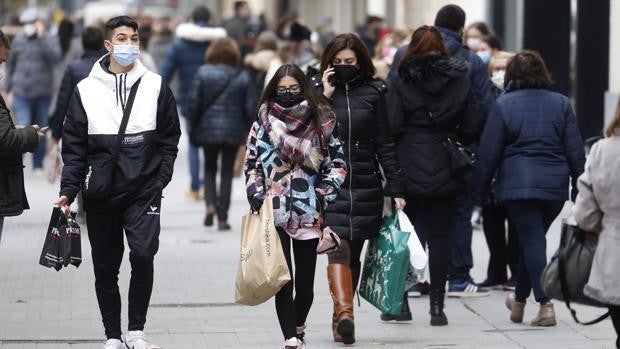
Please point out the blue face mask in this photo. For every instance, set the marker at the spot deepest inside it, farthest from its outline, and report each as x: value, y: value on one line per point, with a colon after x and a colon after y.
x: 126, y: 55
x: 484, y: 56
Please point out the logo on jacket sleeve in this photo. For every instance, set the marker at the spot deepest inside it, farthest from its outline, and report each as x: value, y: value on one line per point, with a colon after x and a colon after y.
x: 153, y: 210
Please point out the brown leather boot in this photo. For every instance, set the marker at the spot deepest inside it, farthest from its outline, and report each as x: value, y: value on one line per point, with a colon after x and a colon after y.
x: 341, y: 289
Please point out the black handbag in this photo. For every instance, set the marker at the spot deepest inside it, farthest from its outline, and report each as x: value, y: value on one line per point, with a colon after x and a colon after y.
x: 99, y: 173
x: 461, y: 158
x: 575, y: 254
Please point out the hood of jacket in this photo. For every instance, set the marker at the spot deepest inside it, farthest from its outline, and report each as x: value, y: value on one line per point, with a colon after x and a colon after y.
x: 432, y: 72
x: 194, y: 32
x: 120, y: 83
x: 451, y: 39
x: 260, y: 60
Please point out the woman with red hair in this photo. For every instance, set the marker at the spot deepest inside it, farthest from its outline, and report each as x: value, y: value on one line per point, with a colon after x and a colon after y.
x: 432, y: 103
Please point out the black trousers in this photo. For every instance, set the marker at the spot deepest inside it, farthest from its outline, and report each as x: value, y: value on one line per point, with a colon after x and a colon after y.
x: 614, y: 311
x: 503, y: 246
x: 431, y: 220
x: 141, y: 223
x: 222, y: 201
x: 293, y: 311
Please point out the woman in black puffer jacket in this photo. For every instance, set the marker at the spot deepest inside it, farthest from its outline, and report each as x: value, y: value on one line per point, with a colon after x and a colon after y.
x: 431, y: 100
x: 360, y: 106
x: 221, y: 109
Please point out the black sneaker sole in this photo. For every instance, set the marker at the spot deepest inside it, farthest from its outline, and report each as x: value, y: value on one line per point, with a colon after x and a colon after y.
x: 439, y: 321
x: 346, y: 329
x: 400, y: 317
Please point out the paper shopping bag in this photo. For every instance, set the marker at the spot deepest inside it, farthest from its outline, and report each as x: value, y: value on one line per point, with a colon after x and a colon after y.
x: 262, y: 270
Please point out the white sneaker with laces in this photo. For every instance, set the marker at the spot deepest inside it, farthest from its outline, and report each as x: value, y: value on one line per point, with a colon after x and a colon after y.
x: 113, y: 344
x: 136, y: 340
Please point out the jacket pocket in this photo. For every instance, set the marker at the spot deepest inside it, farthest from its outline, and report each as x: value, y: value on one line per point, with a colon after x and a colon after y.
x: 98, y: 179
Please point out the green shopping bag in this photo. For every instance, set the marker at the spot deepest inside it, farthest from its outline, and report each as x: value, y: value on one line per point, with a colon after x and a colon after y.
x: 385, y: 268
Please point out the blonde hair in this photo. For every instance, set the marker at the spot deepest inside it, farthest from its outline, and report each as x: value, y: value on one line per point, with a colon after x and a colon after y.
x: 497, y: 56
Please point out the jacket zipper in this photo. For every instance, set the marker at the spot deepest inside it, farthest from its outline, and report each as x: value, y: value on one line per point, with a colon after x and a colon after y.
x: 346, y: 86
x: 289, y: 222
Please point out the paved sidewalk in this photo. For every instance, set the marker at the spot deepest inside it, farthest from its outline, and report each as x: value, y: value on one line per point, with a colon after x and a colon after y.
x: 193, y: 294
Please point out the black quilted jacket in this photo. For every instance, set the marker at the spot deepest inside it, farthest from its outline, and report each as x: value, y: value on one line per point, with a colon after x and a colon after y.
x: 364, y: 132
x: 439, y: 85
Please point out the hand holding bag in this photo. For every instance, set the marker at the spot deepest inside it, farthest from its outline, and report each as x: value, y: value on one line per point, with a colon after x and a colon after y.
x: 99, y: 174
x: 575, y: 254
x: 262, y: 270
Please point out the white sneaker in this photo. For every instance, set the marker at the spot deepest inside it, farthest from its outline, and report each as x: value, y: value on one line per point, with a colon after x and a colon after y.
x: 136, y: 340
x: 292, y: 343
x: 113, y: 344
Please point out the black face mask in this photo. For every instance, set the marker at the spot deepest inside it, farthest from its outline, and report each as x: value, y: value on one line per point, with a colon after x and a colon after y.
x: 345, y: 72
x: 288, y: 99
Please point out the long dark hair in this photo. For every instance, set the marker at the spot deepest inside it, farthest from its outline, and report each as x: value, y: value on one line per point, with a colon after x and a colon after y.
x: 315, y: 102
x: 310, y: 94
x: 352, y: 42
x: 424, y: 40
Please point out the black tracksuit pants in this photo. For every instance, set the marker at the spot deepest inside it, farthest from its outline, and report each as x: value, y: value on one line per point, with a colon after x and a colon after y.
x: 140, y: 221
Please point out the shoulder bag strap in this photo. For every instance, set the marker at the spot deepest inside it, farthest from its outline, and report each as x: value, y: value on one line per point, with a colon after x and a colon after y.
x: 564, y: 284
x: 218, y: 94
x: 126, y: 113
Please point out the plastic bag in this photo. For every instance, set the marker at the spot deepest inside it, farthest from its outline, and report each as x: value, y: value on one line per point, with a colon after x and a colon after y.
x: 62, y: 244
x: 385, y: 267
x: 417, y: 253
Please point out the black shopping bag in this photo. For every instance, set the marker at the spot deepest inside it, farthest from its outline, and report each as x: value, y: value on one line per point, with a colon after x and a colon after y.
x: 62, y: 241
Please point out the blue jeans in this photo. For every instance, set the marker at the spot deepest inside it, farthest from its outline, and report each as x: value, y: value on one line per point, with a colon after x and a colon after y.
x: 194, y: 167
x: 461, y: 260
x: 31, y: 111
x: 531, y: 220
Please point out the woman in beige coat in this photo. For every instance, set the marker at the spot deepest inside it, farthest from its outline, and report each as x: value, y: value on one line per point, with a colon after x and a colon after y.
x: 597, y: 209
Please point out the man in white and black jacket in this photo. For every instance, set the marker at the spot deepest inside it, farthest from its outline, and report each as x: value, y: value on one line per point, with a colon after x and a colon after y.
x: 144, y: 167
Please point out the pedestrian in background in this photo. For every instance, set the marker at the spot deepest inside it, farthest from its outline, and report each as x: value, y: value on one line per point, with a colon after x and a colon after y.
x: 92, y: 42
x: 257, y: 62
x: 221, y: 109
x: 474, y: 33
x: 597, y: 210
x: 534, y: 151
x: 238, y: 26
x: 488, y: 47
x: 186, y: 56
x: 499, y: 233
x: 30, y: 78
x: 294, y: 159
x: 141, y: 170
x: 361, y: 111
x: 497, y: 70
x: 13, y: 143
x: 430, y: 100
x: 297, y: 50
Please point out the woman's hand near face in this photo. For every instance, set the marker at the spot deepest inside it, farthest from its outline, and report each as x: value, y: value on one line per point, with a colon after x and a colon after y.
x: 328, y: 87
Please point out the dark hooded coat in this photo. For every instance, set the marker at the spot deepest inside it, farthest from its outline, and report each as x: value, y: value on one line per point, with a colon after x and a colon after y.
x: 429, y: 100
